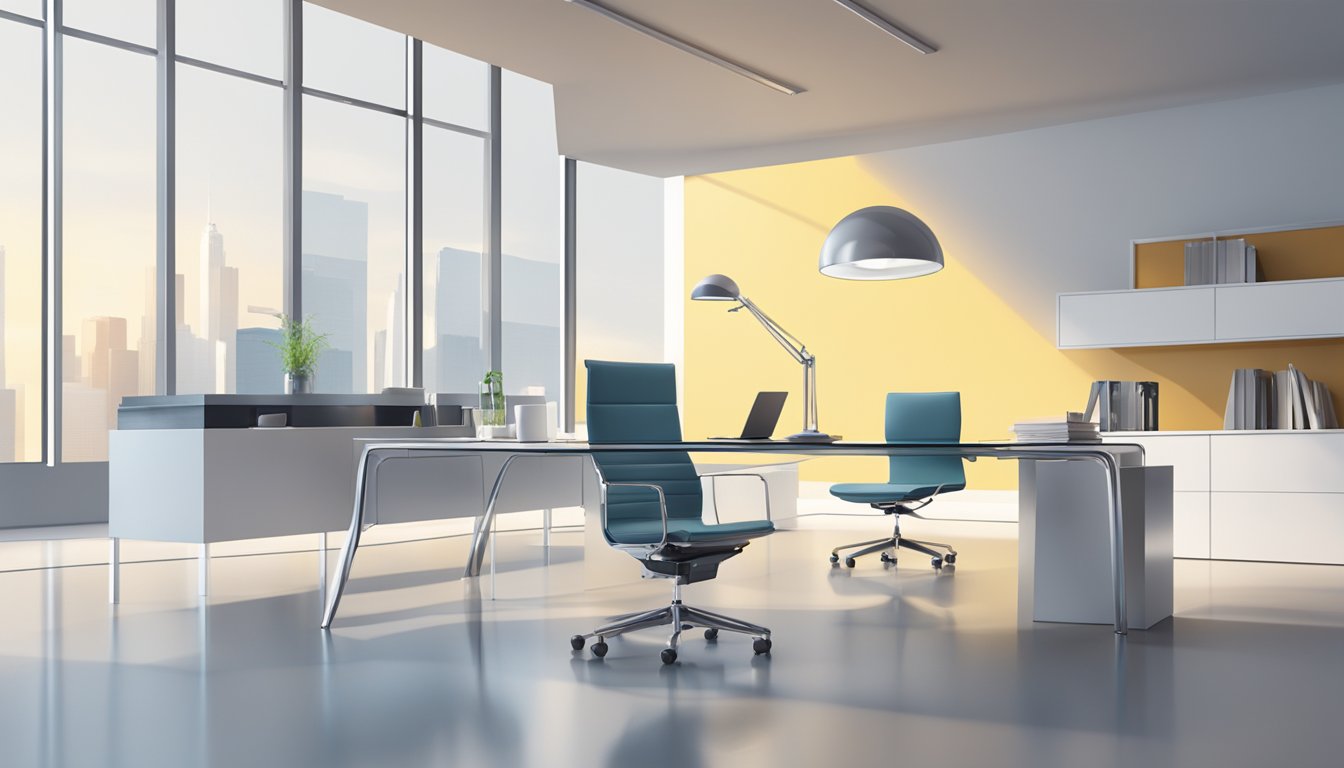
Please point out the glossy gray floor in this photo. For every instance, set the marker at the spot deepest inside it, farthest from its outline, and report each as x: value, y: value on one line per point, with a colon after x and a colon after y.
x: 870, y: 666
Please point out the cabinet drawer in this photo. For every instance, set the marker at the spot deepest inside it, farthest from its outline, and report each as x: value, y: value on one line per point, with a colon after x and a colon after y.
x: 1187, y: 455
x: 1290, y: 462
x: 1285, y: 527
x: 1271, y: 311
x: 1136, y: 318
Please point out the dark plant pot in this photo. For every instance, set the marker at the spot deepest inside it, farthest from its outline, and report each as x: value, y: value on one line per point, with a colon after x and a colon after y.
x: 296, y: 384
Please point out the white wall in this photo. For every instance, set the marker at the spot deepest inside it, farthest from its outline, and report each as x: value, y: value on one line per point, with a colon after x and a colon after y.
x: 619, y: 314
x: 1053, y: 209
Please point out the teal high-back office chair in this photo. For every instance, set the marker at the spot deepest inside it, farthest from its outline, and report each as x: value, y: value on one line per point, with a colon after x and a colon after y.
x: 914, y: 481
x: 652, y: 502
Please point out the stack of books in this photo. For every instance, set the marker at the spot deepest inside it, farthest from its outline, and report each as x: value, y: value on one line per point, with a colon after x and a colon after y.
x: 1260, y: 399
x: 1220, y: 261
x: 1072, y: 428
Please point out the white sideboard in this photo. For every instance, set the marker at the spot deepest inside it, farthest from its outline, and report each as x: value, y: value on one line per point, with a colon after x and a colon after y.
x: 1201, y: 314
x: 1253, y: 494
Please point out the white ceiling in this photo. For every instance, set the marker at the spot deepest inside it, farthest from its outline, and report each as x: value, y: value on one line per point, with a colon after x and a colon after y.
x: 630, y: 102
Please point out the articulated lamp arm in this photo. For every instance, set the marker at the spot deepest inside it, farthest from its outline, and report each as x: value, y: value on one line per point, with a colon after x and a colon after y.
x: 786, y: 340
x: 798, y: 351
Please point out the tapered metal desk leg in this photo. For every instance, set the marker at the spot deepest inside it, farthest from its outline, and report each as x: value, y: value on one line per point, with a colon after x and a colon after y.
x: 351, y: 541
x: 476, y: 557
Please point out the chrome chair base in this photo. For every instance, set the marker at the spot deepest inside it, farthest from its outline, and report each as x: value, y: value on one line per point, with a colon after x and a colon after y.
x: 889, y: 547
x: 682, y: 617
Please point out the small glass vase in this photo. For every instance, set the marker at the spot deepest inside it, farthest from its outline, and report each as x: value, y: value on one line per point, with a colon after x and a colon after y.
x: 298, y: 384
x: 491, y: 416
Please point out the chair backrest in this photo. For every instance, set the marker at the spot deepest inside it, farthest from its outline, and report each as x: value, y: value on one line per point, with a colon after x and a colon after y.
x: 637, y: 403
x: 926, y: 417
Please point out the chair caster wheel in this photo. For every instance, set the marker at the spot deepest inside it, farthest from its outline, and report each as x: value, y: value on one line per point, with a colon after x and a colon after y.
x: 849, y: 562
x: 937, y: 563
x: 669, y: 655
x: 711, y: 634
x: 886, y: 558
x: 576, y: 642
x: 600, y: 648
x: 835, y: 559
x: 950, y: 558
x: 761, y: 645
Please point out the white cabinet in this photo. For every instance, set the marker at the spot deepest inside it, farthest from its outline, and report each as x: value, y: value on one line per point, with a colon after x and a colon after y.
x: 1296, y: 309
x: 1210, y: 314
x: 1190, y: 524
x: 1129, y: 318
x: 1253, y: 495
x: 1286, y: 462
x: 1284, y: 527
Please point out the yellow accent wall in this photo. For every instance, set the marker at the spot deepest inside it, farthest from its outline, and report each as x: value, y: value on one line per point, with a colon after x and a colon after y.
x: 949, y: 331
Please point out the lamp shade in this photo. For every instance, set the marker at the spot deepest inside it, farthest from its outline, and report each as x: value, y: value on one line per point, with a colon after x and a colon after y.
x: 716, y: 288
x: 880, y: 243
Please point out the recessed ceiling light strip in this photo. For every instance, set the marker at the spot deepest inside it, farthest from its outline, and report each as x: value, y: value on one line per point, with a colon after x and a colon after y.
x: 682, y: 45
x: 888, y: 27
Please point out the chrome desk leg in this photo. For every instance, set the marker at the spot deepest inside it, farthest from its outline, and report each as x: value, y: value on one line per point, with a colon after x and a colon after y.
x: 1112, y: 468
x: 203, y: 571
x: 114, y: 571
x: 476, y: 557
x: 351, y: 540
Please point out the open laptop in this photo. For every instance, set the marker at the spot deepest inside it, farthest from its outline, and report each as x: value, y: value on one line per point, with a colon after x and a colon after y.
x: 763, y: 417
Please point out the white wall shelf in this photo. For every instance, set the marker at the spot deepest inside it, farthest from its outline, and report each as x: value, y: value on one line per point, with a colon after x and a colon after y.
x: 1201, y: 314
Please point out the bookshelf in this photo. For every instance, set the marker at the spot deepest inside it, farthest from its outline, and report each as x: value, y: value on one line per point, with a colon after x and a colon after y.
x: 1299, y: 298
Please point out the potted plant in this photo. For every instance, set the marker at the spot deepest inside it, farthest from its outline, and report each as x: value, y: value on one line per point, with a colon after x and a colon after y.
x: 299, y: 347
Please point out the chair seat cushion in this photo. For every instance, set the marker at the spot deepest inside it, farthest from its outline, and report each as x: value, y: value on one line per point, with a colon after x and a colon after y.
x: 876, y: 493
x: 685, y: 531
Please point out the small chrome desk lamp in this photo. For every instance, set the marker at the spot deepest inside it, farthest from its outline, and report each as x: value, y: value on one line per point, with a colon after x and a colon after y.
x: 876, y: 243
x: 722, y: 288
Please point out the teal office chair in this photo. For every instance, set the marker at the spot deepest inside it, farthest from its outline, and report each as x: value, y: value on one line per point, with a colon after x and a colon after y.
x: 651, y: 503
x: 912, y: 417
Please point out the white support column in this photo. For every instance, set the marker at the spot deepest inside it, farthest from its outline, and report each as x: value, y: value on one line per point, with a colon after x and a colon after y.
x: 114, y: 571
x: 203, y: 575
x: 546, y: 535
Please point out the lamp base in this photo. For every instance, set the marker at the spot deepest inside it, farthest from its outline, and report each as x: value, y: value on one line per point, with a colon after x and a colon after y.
x: 813, y: 437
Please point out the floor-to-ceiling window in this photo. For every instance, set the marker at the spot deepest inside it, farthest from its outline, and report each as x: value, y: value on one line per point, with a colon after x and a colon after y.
x: 20, y: 235
x: 171, y: 158
x: 229, y: 175
x: 108, y: 215
x: 354, y: 200
x: 619, y: 270
x: 457, y: 122
x: 532, y: 225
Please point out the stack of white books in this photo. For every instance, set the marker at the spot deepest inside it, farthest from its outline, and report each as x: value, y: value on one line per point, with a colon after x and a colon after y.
x: 1221, y: 261
x: 1071, y: 428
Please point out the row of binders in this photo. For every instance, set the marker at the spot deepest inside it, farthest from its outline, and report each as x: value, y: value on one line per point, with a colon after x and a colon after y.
x: 1072, y: 428
x: 1220, y: 261
x: 1260, y: 399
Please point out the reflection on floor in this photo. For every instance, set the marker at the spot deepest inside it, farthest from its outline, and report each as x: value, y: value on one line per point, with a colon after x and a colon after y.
x: 870, y: 666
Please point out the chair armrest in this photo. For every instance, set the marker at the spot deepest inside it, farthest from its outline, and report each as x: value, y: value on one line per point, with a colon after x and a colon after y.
x: 604, y: 485
x: 714, y: 489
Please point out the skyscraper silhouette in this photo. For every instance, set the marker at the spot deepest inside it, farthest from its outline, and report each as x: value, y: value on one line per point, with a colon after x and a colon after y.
x: 218, y: 310
x: 335, y: 287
